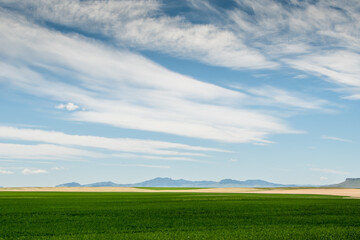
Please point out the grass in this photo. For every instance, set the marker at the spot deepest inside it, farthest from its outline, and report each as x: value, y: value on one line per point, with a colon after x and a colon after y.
x: 41, y: 215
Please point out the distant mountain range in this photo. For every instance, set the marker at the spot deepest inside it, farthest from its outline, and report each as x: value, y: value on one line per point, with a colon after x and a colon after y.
x: 168, y: 182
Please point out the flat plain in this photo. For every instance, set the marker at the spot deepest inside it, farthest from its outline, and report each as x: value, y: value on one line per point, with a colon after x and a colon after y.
x: 176, y: 215
x: 349, y: 192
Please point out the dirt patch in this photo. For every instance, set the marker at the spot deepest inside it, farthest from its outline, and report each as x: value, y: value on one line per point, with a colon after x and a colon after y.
x: 349, y: 192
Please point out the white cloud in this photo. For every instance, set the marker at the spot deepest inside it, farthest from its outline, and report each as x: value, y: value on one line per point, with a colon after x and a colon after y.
x: 60, y: 106
x: 268, y: 95
x: 340, y: 67
x: 305, y: 35
x: 28, y: 171
x: 353, y: 97
x: 170, y: 158
x: 323, y: 178
x: 300, y: 76
x: 44, y: 151
x: 138, y: 165
x: 336, y: 139
x: 26, y: 161
x: 114, y: 144
x: 332, y: 171
x: 319, y: 38
x: 125, y: 90
x: 7, y: 172
x: 131, y: 148
x: 57, y: 168
x: 139, y: 24
x: 298, y: 22
x: 68, y: 106
x: 148, y: 166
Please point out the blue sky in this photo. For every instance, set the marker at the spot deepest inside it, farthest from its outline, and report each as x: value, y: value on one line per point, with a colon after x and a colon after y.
x: 126, y: 91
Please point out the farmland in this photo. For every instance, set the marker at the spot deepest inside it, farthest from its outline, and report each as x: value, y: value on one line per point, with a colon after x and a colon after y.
x: 160, y: 215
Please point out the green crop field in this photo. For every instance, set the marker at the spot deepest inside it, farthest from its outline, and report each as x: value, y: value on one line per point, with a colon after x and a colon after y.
x: 49, y: 215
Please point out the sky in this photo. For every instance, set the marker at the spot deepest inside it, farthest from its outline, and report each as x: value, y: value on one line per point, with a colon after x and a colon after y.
x: 126, y: 91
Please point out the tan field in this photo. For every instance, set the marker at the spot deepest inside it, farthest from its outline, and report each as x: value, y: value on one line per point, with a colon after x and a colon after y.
x: 348, y: 192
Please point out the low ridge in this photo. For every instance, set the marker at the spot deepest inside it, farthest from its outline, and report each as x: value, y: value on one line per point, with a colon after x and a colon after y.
x: 348, y: 183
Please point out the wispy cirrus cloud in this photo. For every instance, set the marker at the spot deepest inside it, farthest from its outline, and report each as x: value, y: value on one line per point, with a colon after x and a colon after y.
x: 332, y: 171
x: 109, y: 84
x: 339, y: 67
x: 163, y: 158
x: 139, y: 165
x: 95, y: 142
x: 58, y: 146
x: 319, y: 38
x: 44, y: 151
x: 142, y: 24
x: 280, y: 98
x: 305, y: 35
x: 336, y: 139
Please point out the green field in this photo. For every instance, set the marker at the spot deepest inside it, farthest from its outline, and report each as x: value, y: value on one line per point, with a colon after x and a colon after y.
x: 41, y: 215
